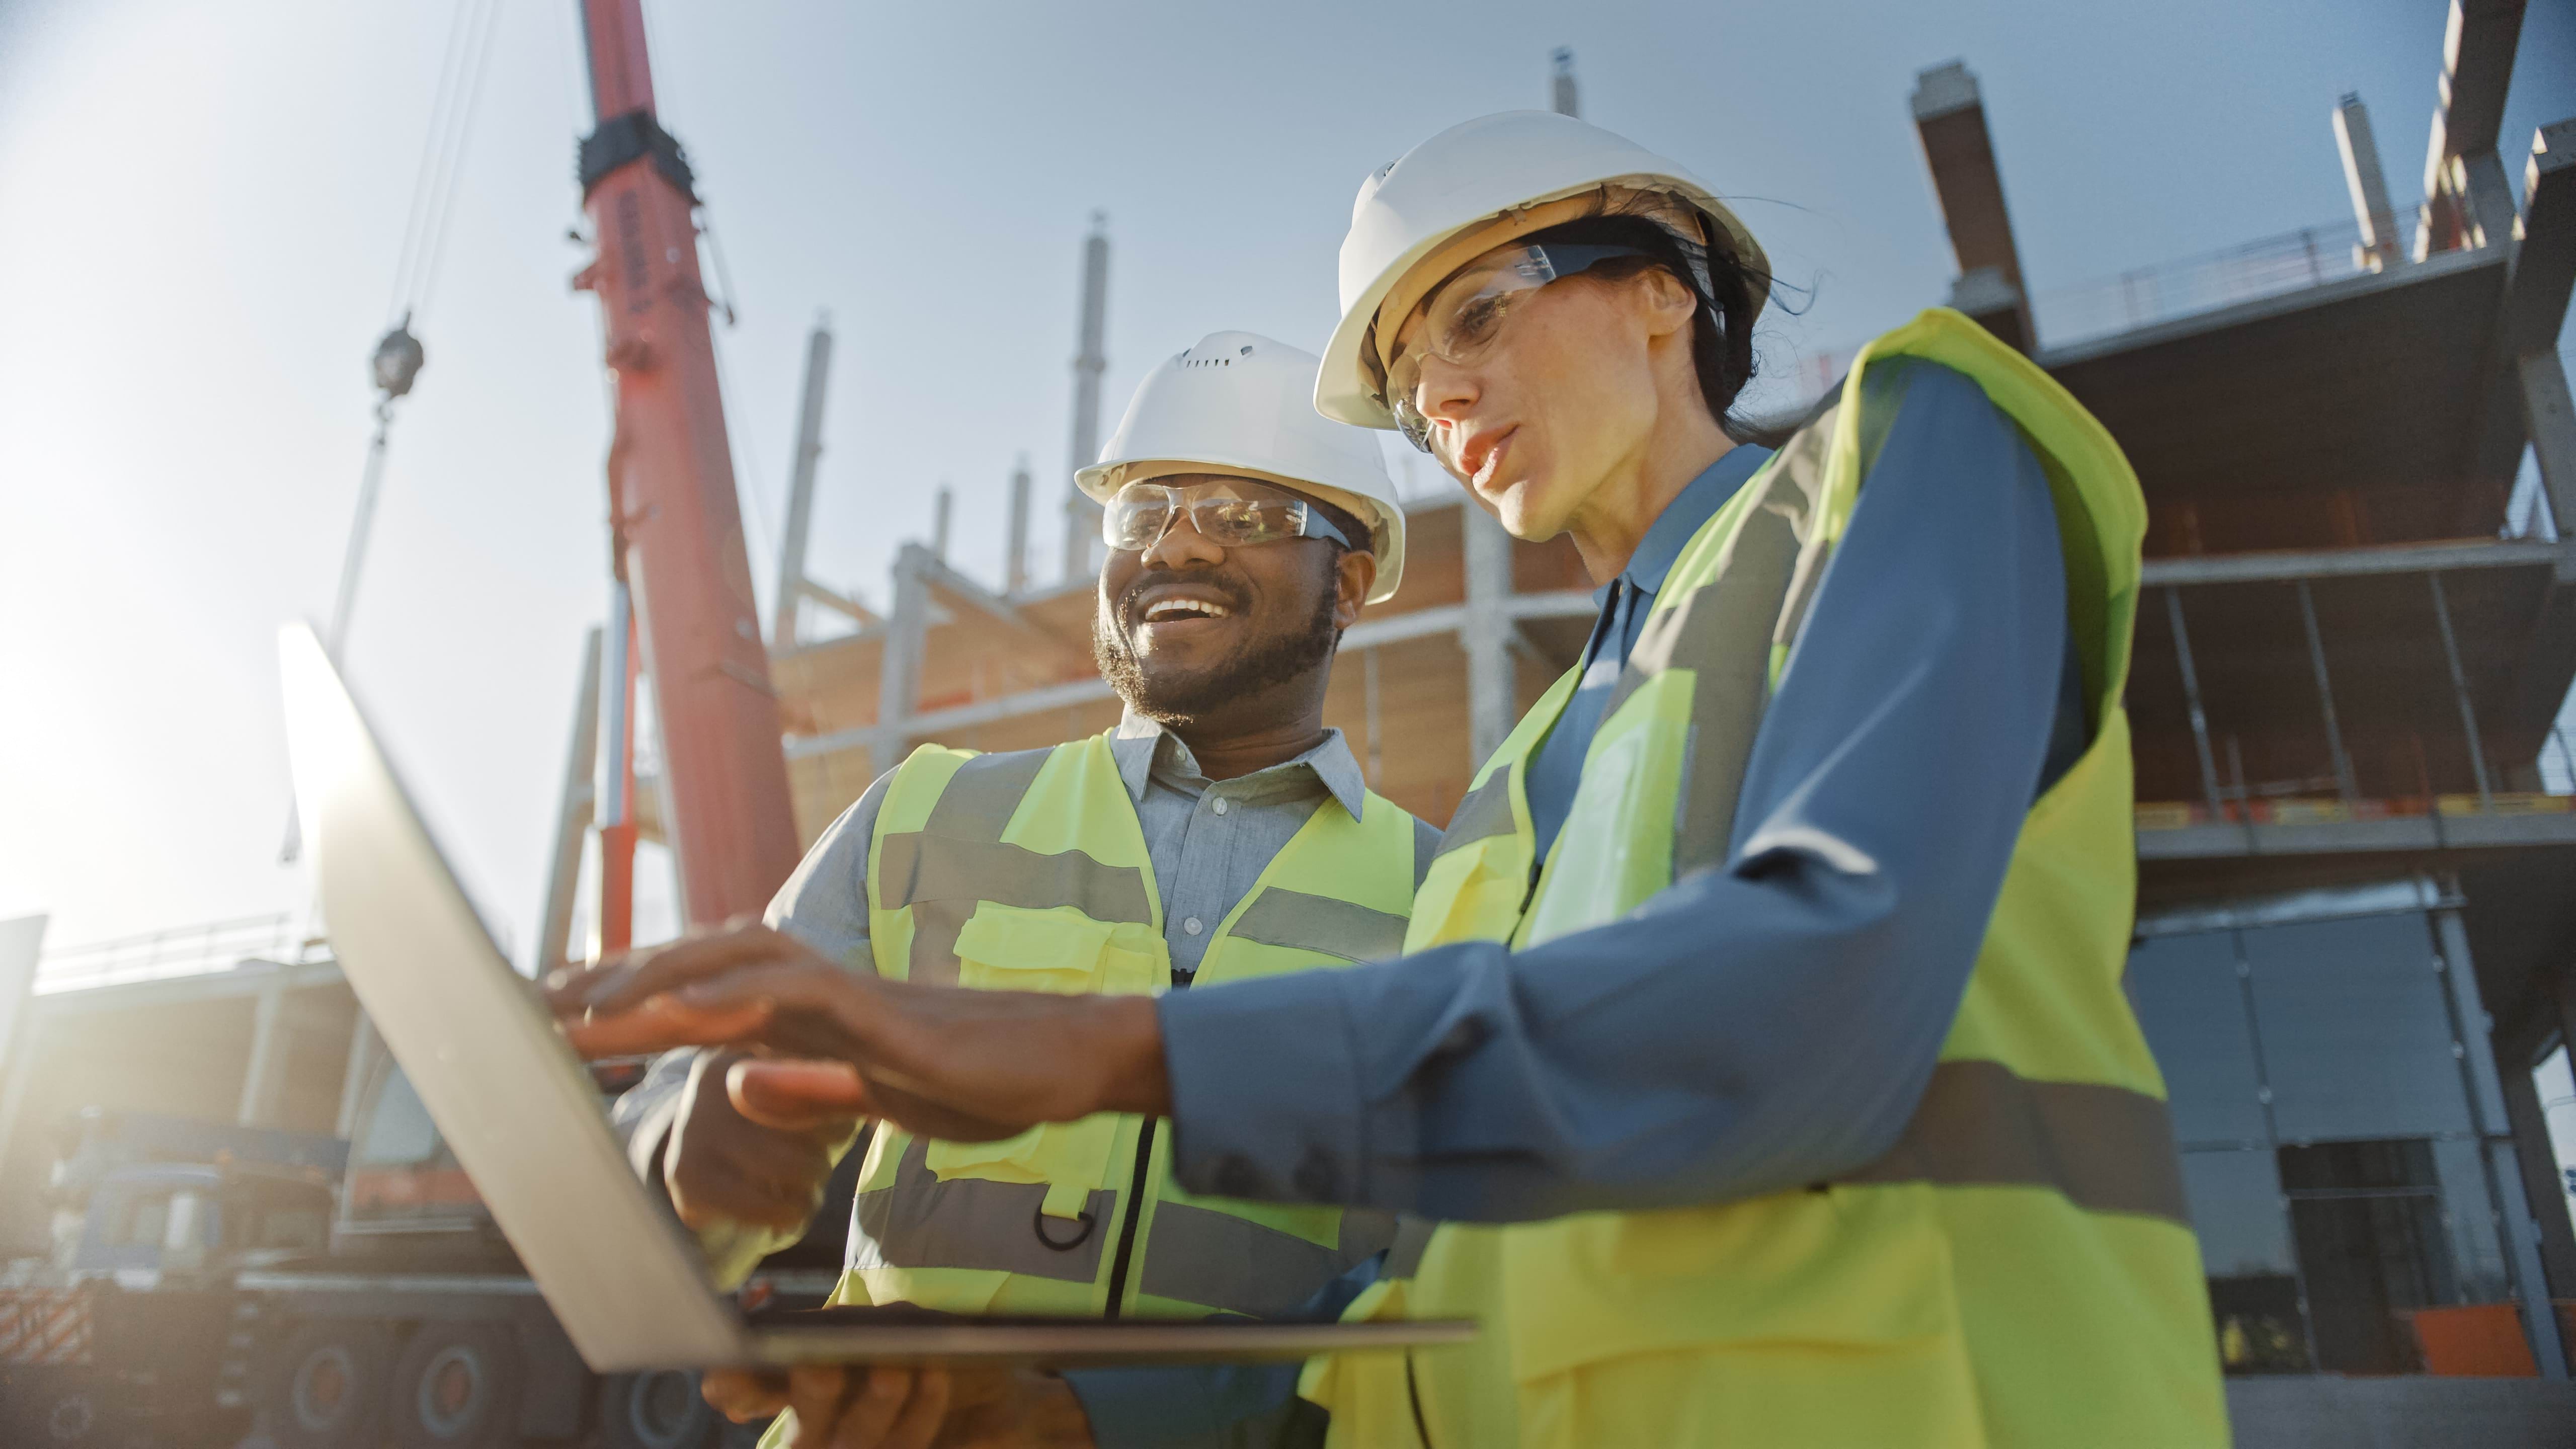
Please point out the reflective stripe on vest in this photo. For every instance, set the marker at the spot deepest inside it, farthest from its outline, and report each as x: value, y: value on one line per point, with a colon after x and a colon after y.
x: 1029, y: 870
x: 2019, y: 1270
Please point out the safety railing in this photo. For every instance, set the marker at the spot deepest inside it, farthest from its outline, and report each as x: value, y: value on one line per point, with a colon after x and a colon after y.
x: 2169, y: 291
x: 179, y: 951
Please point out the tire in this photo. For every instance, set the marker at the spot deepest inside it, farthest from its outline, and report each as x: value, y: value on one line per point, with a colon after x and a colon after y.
x: 74, y: 1417
x: 323, y: 1386
x: 455, y: 1386
x: 659, y: 1410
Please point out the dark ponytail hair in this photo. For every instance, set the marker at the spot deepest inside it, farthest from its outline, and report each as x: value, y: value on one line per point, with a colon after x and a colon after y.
x: 1729, y: 294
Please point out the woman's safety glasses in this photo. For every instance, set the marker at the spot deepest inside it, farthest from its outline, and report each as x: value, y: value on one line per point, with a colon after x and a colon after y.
x: 1465, y: 314
x: 1229, y: 514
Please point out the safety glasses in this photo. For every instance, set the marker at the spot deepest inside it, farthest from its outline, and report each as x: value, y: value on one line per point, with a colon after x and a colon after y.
x: 1464, y: 316
x: 1228, y: 514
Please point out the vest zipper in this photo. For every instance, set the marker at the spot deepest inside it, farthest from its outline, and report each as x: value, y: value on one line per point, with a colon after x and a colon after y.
x: 1135, y: 1214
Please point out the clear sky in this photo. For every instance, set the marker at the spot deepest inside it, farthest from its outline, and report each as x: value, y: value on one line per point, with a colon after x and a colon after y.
x: 201, y: 206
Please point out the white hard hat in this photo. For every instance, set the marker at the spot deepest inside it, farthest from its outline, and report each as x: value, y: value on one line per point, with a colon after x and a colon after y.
x: 1241, y: 403
x: 1453, y: 193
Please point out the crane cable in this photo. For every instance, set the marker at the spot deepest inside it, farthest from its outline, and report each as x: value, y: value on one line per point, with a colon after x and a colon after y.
x: 397, y: 360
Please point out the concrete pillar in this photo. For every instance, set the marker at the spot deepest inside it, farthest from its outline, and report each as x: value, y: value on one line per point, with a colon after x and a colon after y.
x: 2551, y: 418
x: 21, y: 945
x: 272, y: 1037
x: 2466, y: 201
x: 572, y: 820
x: 1950, y: 118
x: 1015, y: 560
x: 1081, y: 515
x: 2541, y: 1184
x: 1493, y: 692
x: 2473, y: 1030
x: 2368, y: 184
x: 1561, y: 97
x: 899, y: 670
x: 800, y: 488
x: 943, y: 509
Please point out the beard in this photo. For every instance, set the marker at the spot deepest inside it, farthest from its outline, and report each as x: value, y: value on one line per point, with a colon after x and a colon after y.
x: 1169, y: 695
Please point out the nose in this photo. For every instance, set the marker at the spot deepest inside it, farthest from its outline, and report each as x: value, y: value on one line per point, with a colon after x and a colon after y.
x: 1444, y: 393
x: 1182, y: 546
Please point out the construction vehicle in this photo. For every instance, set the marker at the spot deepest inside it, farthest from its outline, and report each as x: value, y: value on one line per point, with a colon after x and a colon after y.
x: 285, y: 1290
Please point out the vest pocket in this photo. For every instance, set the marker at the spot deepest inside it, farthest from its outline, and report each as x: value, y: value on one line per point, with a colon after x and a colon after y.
x: 1849, y: 1268
x: 1010, y: 948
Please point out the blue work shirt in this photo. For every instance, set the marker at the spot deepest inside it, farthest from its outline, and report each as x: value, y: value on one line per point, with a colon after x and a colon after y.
x: 1625, y: 602
x: 1753, y: 1027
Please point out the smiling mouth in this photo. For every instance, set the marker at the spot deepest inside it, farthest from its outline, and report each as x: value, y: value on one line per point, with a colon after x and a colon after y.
x: 1176, y: 611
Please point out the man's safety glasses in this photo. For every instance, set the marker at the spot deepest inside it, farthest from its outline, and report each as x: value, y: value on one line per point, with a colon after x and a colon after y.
x: 1227, y: 514
x: 1463, y: 317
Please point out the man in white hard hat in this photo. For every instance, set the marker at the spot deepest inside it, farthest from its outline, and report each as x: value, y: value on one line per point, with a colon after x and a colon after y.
x: 1221, y: 832
x: 1767, y: 989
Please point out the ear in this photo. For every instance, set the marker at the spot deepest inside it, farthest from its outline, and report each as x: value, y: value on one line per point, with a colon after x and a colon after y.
x: 1668, y: 305
x: 1354, y: 576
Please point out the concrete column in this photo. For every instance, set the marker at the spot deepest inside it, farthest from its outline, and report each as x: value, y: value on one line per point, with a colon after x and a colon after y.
x: 1015, y: 563
x: 1493, y: 693
x: 21, y: 945
x: 2541, y: 1184
x: 2368, y: 183
x: 899, y: 672
x: 2474, y: 1032
x: 572, y: 819
x: 800, y: 487
x: 263, y: 1091
x: 2551, y: 418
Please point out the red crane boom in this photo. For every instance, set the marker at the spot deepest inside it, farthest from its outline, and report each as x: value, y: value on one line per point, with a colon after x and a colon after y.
x: 671, y: 495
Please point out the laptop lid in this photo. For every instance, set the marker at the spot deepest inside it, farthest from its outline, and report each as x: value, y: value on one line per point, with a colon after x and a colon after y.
x: 508, y: 1094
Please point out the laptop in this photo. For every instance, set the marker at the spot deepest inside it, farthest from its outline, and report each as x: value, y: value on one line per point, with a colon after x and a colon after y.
x: 518, y: 1109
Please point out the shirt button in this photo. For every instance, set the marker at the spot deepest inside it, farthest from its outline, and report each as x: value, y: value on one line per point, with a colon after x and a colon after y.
x: 1220, y: 807
x: 1191, y: 925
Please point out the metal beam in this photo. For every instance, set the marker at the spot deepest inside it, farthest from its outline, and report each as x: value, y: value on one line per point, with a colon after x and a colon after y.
x: 2405, y: 558
x: 841, y: 604
x: 2412, y: 834
x: 1950, y: 118
x: 2543, y: 1189
x: 800, y: 486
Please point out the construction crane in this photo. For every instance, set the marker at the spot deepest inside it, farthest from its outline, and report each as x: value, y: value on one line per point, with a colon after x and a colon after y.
x: 674, y: 517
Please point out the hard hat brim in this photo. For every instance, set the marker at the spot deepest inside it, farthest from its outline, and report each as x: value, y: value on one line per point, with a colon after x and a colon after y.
x: 1345, y: 386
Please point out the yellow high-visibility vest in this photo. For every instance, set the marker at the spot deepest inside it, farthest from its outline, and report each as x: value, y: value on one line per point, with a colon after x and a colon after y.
x: 2019, y: 1271
x: 1028, y: 872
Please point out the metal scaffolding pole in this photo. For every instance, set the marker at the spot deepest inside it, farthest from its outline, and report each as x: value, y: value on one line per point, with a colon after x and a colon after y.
x: 2191, y: 695
x: 2325, y: 697
x: 1486, y: 635
x: 2460, y: 693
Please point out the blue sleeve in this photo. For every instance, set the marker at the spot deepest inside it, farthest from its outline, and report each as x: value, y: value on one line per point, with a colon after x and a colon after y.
x: 1754, y: 1027
x: 1245, y: 1405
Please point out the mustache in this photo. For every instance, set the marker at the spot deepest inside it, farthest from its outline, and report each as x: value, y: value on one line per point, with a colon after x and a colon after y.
x: 1237, y: 597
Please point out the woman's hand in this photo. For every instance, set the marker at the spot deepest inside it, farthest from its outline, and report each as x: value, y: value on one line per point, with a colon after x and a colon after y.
x: 946, y: 1062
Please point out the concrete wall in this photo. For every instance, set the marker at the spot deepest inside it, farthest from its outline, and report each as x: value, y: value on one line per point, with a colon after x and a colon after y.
x: 2403, y: 1413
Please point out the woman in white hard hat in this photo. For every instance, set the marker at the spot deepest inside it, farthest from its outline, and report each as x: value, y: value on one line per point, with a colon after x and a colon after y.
x: 1768, y: 983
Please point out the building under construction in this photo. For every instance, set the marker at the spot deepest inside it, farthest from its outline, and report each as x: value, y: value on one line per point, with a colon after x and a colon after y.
x: 2356, y: 925
x: 2356, y: 936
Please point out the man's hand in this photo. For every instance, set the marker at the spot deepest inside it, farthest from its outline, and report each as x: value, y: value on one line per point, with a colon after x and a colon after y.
x: 862, y: 1408
x: 946, y: 1062
x: 743, y: 1164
